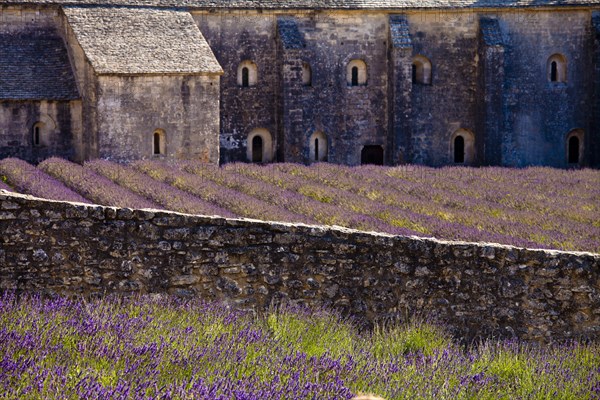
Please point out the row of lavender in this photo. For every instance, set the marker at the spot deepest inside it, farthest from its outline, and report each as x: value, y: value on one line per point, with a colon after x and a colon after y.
x: 535, y: 207
x: 167, y: 348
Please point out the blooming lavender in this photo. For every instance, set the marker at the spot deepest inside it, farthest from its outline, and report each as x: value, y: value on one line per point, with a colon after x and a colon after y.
x: 162, y: 347
x: 97, y: 188
x: 4, y: 186
x: 235, y: 201
x: 167, y: 196
x: 29, y: 180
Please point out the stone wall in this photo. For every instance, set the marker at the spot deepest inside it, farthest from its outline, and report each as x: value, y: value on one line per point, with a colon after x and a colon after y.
x: 59, y: 123
x: 184, y: 107
x: 479, y: 290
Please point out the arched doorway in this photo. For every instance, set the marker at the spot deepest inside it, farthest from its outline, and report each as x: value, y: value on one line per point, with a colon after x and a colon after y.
x: 575, y: 147
x: 462, y: 147
x: 259, y: 146
x: 372, y: 155
x: 459, y: 149
x: 257, y: 149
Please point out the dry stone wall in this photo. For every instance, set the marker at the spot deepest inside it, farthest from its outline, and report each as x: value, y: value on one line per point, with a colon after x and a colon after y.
x: 478, y: 290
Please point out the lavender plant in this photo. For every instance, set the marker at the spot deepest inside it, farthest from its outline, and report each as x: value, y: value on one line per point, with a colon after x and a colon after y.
x: 163, y: 347
x: 29, y: 180
x: 97, y: 188
x: 159, y: 192
x: 271, y: 188
x: 235, y: 201
x: 4, y: 186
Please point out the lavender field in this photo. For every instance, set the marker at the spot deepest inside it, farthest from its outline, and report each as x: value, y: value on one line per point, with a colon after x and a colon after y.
x: 161, y: 347
x: 533, y: 207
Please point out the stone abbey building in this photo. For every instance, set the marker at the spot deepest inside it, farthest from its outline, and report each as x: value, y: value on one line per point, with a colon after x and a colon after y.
x: 436, y: 82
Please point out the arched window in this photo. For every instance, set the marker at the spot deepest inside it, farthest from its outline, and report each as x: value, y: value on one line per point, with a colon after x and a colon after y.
x: 247, y: 74
x: 575, y: 147
x: 306, y: 74
x: 421, y: 70
x: 158, y: 142
x: 356, y: 73
x: 259, y: 146
x: 557, y: 68
x: 317, y: 144
x: 36, y: 134
x: 371, y: 155
x: 462, y: 147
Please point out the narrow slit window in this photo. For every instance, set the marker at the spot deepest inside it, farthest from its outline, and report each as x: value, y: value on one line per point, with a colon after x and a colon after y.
x: 356, y: 73
x: 156, y: 143
x: 553, y: 72
x: 354, y: 76
x: 36, y: 135
x: 245, y: 77
x: 316, y: 149
x: 557, y: 68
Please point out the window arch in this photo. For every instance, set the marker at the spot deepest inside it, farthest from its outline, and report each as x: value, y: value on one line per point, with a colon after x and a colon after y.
x: 159, y: 145
x: 306, y: 74
x: 259, y: 147
x: 557, y: 68
x: 37, y: 134
x: 356, y: 73
x: 462, y: 147
x: 421, y: 70
x: 247, y: 74
x: 574, y: 144
x: 318, y: 148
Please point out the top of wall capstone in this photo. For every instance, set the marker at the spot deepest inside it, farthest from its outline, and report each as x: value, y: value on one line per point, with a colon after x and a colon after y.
x: 319, y: 4
x: 311, y: 230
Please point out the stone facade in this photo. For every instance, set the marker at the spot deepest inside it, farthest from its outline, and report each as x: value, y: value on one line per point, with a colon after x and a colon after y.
x: 437, y: 83
x: 478, y: 290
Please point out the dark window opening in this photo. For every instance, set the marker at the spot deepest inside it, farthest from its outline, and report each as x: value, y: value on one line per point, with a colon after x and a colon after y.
x: 257, y: 149
x: 372, y: 155
x: 36, y: 135
x: 459, y: 150
x: 156, y: 143
x: 573, y: 150
x: 316, y: 149
x: 414, y: 73
x: 354, y: 76
x: 553, y: 72
x: 245, y: 77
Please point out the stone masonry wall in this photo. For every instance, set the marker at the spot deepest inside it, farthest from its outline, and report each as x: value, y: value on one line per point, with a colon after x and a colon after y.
x: 185, y: 107
x: 478, y: 290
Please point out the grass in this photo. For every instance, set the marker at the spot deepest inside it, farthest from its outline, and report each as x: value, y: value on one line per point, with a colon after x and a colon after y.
x: 163, y: 347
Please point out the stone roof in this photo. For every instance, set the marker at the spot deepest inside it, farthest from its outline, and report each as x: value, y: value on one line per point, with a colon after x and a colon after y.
x: 490, y: 32
x: 290, y: 34
x: 35, y: 67
x: 400, y: 32
x: 133, y: 41
x: 319, y: 4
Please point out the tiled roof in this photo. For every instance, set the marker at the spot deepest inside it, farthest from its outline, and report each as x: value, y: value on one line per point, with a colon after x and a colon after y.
x: 318, y: 4
x: 290, y: 34
x: 35, y: 67
x: 119, y: 40
x: 490, y: 32
x: 399, y: 32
